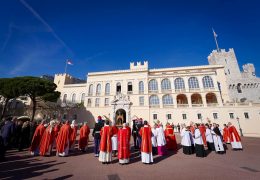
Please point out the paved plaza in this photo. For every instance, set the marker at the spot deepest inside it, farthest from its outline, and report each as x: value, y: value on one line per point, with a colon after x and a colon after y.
x: 234, y: 165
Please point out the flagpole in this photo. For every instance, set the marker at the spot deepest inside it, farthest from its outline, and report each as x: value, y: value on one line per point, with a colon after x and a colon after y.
x: 215, y: 37
x: 66, y: 66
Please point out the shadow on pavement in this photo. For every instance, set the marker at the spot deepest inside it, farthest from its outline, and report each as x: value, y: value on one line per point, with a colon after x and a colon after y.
x: 17, y: 167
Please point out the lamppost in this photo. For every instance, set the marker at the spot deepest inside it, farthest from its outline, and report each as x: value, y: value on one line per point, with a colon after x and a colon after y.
x: 241, y: 133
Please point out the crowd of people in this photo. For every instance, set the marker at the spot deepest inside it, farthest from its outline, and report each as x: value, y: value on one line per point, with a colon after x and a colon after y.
x: 111, y: 140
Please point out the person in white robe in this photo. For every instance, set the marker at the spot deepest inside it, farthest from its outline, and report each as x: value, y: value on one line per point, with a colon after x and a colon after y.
x: 186, y: 140
x: 114, y: 140
x: 217, y: 138
x: 154, y: 142
x: 161, y: 141
x: 209, y: 139
x: 198, y: 141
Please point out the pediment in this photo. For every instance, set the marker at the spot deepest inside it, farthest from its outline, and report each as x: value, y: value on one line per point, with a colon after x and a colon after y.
x: 121, y: 99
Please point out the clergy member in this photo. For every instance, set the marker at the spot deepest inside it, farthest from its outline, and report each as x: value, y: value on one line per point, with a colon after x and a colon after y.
x: 171, y: 143
x: 161, y: 141
x: 219, y: 148
x: 209, y: 139
x: 154, y: 143
x: 202, y: 129
x: 83, y: 137
x: 63, y: 140
x: 186, y: 140
x: 114, y: 139
x: 226, y: 135
x: 199, y: 145
x: 105, y: 155
x: 96, y: 134
x: 124, y: 136
x: 146, y: 144
x: 36, y: 140
x: 235, y: 139
x: 47, y: 140
x: 73, y: 134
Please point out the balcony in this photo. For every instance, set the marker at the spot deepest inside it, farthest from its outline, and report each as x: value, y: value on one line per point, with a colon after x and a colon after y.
x: 166, y: 90
x: 129, y: 92
x: 182, y: 105
x: 212, y: 104
x: 180, y: 90
x: 153, y: 91
x: 155, y: 106
x: 168, y: 105
x: 209, y: 89
x: 197, y: 105
x: 194, y: 90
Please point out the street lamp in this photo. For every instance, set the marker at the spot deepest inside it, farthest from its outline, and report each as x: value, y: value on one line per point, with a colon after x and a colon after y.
x: 241, y: 133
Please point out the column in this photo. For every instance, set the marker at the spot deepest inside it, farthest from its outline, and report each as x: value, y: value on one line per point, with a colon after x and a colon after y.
x: 189, y: 100
x: 204, y: 101
x: 219, y: 99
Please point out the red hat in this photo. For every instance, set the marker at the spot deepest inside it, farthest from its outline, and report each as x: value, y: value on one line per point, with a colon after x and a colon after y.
x: 99, y: 117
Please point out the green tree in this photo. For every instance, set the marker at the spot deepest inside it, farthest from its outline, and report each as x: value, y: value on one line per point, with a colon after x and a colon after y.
x: 38, y: 88
x: 8, y: 90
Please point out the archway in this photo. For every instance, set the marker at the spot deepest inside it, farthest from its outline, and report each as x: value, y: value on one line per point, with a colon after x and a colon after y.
x: 211, y: 98
x: 196, y: 99
x: 182, y: 99
x: 120, y: 117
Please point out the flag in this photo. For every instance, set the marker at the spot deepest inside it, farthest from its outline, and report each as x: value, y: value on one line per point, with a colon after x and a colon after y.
x: 214, y: 33
x: 69, y: 62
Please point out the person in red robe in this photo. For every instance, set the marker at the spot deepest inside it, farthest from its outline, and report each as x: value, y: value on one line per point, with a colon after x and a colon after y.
x: 62, y: 141
x: 146, y: 144
x: 114, y: 140
x: 47, y: 140
x: 226, y: 135
x: 83, y: 137
x: 36, y: 140
x: 56, y: 130
x: 235, y: 139
x: 202, y: 129
x: 171, y: 142
x: 124, y: 135
x: 105, y: 154
x: 73, y: 135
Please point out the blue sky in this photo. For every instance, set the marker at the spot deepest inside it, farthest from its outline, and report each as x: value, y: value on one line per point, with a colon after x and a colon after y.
x: 36, y: 37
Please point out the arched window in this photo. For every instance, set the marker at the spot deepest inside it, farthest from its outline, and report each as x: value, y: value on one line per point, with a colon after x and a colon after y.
x: 179, y: 83
x: 107, y: 89
x: 98, y: 90
x: 64, y: 98
x: 89, y: 103
x: 73, y: 99
x: 167, y: 99
x: 182, y: 99
x: 129, y: 87
x: 154, y: 100
x: 211, y: 98
x: 193, y: 83
x: 196, y: 99
x: 207, y: 82
x: 239, y: 89
x: 90, y: 90
x: 166, y: 84
x: 118, y: 87
x: 82, y: 97
x: 153, y: 85
x: 141, y: 87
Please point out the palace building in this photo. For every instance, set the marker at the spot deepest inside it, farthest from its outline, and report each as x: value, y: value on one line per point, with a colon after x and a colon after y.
x: 218, y: 92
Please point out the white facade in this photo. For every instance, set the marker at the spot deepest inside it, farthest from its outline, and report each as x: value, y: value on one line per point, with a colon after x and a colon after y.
x: 178, y: 95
